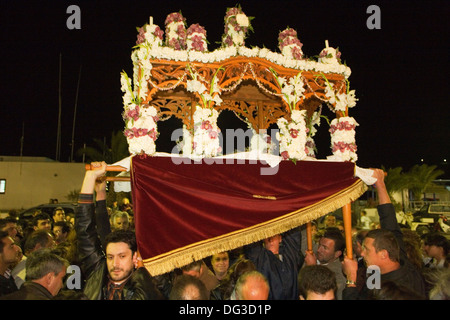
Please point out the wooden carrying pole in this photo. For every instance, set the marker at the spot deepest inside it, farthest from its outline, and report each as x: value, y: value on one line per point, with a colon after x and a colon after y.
x: 309, y: 237
x: 113, y: 169
x: 347, y: 216
x: 108, y: 168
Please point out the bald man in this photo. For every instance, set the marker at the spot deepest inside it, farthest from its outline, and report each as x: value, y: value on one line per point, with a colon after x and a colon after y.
x: 252, y: 285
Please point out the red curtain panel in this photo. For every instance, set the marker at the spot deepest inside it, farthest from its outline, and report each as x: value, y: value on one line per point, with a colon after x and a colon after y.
x: 186, y: 210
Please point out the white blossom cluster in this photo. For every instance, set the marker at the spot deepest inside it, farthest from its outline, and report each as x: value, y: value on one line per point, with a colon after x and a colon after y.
x: 340, y: 101
x: 312, y: 130
x: 221, y: 54
x: 141, y: 130
x: 343, y: 143
x: 292, y: 89
x: 262, y: 143
x: 292, y: 136
x: 205, y: 140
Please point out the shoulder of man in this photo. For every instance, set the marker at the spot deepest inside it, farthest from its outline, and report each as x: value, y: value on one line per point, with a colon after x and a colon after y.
x: 142, y: 286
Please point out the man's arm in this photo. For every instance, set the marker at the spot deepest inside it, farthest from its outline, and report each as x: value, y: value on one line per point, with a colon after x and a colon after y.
x: 101, y: 211
x: 89, y: 246
x: 386, y: 210
x: 383, y: 195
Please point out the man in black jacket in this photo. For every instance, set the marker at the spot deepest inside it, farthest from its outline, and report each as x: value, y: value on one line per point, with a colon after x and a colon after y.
x: 9, y: 255
x: 383, y: 251
x: 115, y: 276
x: 279, y: 259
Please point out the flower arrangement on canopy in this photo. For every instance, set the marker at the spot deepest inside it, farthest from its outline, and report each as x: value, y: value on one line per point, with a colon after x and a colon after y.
x: 296, y: 130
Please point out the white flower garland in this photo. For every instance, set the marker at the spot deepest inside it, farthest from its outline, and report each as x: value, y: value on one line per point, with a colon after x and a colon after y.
x: 261, y: 143
x: 343, y: 143
x: 292, y: 136
x: 176, y: 31
x: 141, y: 130
x: 292, y: 89
x: 140, y: 121
x: 237, y: 25
x: 289, y: 44
x: 221, y: 54
x: 310, y: 144
x: 205, y: 141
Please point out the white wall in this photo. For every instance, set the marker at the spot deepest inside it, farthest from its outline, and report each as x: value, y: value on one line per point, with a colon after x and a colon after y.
x: 32, y: 183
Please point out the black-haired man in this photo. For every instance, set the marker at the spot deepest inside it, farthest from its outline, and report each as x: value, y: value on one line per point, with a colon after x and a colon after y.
x: 114, y: 276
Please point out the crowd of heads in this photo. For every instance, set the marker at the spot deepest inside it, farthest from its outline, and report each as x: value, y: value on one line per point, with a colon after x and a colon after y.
x: 45, y: 248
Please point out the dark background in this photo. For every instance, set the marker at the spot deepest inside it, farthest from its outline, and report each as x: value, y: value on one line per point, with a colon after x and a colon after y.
x: 400, y: 72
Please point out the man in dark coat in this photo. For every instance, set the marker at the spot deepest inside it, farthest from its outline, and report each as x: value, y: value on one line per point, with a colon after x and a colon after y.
x: 279, y: 259
x: 383, y: 250
x: 9, y: 255
x: 115, y: 276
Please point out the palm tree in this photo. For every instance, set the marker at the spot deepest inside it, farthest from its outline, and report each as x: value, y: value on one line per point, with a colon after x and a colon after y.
x: 110, y: 154
x: 395, y: 180
x: 103, y: 152
x: 421, y: 177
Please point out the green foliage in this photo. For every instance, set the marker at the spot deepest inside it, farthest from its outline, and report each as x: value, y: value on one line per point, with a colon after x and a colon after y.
x: 104, y: 152
x: 421, y: 177
x: 72, y: 196
x: 417, y: 179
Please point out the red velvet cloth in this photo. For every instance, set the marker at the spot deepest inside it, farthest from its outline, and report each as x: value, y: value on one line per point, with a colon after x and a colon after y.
x: 178, y: 206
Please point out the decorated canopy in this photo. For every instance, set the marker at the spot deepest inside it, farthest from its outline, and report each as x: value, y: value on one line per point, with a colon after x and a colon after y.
x: 187, y: 210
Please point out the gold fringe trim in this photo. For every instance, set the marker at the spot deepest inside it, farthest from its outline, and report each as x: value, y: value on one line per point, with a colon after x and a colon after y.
x: 182, y: 256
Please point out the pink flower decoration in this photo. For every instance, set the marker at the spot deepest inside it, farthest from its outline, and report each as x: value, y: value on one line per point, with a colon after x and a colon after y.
x: 196, y: 28
x: 140, y: 36
x: 293, y: 133
x: 206, y: 125
x: 158, y: 32
x: 152, y: 134
x: 133, y: 113
x: 212, y: 134
x: 174, y: 17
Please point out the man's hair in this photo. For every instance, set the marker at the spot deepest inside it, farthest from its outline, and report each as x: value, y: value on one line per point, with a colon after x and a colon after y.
x: 390, y: 290
x: 336, y: 235
x: 40, y: 216
x: 127, y: 236
x: 119, y: 214
x: 360, y: 235
x: 64, y: 225
x: 385, y: 240
x: 3, y: 234
x: 316, y: 278
x: 193, y: 266
x: 187, y: 287
x: 238, y: 268
x: 438, y: 240
x: 240, y: 283
x: 36, y: 237
x: 58, y: 209
x: 5, y: 221
x: 43, y: 262
x: 439, y: 281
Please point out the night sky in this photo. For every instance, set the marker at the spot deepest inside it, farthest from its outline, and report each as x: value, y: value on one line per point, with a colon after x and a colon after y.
x: 399, y: 72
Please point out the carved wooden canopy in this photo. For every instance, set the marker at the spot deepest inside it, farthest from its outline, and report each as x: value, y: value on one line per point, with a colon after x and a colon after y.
x: 248, y: 85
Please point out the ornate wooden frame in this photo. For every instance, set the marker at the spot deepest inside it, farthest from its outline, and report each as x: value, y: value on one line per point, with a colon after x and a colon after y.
x: 248, y: 87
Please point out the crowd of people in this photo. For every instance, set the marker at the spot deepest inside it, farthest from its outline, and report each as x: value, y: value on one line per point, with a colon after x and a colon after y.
x: 388, y: 263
